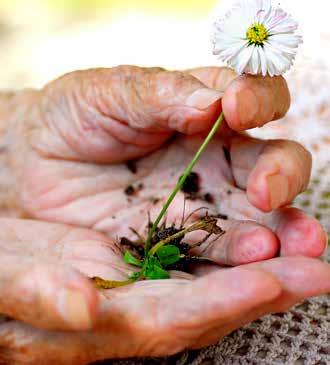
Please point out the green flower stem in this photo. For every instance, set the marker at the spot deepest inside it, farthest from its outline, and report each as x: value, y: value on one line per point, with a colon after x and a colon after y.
x: 179, y: 185
x: 110, y: 284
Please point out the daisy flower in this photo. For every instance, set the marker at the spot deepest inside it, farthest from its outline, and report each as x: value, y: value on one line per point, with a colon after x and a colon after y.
x: 256, y: 37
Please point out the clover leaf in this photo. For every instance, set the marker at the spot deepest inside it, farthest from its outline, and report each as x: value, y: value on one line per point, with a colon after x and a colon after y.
x: 168, y: 255
x: 153, y: 269
x: 131, y: 260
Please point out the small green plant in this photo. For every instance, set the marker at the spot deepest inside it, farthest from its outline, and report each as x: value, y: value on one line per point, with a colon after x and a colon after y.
x: 163, y: 248
x: 166, y: 253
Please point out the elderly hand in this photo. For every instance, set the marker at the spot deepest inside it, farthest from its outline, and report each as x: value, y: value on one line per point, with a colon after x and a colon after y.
x: 43, y: 284
x: 80, y: 131
x: 69, y: 159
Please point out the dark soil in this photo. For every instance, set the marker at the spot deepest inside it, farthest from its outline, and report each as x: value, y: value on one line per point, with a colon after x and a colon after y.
x: 136, y: 248
x: 226, y: 153
x: 221, y: 216
x: 161, y: 234
x: 132, y: 166
x: 130, y: 190
x: 208, y: 198
x: 191, y: 185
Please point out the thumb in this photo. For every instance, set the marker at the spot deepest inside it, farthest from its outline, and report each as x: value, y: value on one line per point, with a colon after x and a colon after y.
x: 110, y: 115
x: 46, y: 296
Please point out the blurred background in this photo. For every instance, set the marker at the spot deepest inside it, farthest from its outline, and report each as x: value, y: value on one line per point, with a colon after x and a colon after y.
x: 42, y: 39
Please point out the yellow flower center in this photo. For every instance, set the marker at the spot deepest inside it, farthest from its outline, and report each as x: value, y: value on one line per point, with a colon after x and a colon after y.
x: 257, y: 34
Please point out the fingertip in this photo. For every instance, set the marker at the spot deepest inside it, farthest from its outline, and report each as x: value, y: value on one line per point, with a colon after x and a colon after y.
x: 55, y: 297
x: 255, y: 244
x: 268, y: 188
x: 268, y: 191
x: 78, y: 308
x: 258, y: 193
x: 301, y: 234
x: 244, y: 242
x: 300, y: 277
x: 239, y: 288
x: 260, y: 283
x: 84, y: 305
x: 280, y: 172
x: 251, y: 101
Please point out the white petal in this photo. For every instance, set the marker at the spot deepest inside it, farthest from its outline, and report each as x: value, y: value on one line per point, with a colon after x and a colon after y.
x: 239, y: 63
x: 277, y: 63
x: 289, y: 41
x: 263, y: 12
x: 263, y: 61
x: 254, y: 64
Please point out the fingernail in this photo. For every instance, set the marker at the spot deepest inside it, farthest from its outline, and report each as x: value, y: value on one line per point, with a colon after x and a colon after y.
x: 203, y: 98
x: 73, y: 306
x: 248, y: 108
x: 278, y: 186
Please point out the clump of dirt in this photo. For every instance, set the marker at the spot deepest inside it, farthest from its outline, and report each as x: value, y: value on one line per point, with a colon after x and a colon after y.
x: 131, y: 190
x: 226, y: 153
x: 132, y: 166
x: 207, y: 223
x: 209, y: 198
x: 167, y: 251
x: 191, y: 185
x: 163, y: 233
x: 222, y: 216
x: 191, y: 189
x: 154, y: 200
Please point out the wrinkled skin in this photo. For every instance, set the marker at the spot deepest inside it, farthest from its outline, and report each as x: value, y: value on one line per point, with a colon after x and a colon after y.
x: 147, y: 318
x: 83, y: 127
x: 78, y: 133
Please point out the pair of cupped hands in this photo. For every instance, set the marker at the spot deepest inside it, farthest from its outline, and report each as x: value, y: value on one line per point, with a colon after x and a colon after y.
x: 68, y: 150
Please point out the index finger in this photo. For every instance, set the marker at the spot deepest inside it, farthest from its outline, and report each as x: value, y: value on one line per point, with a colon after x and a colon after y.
x: 249, y: 101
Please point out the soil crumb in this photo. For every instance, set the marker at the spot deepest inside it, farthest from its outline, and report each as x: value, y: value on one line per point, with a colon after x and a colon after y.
x: 209, y: 198
x: 191, y: 185
x: 132, y: 166
x: 164, y: 233
x: 226, y: 153
x: 154, y: 201
x: 129, y: 191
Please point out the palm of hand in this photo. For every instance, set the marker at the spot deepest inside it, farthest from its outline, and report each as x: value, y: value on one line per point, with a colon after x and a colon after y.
x: 115, y: 199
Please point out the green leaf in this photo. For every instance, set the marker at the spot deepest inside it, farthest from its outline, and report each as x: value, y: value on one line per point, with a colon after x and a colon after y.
x: 168, y: 255
x: 154, y: 271
x: 130, y: 259
x: 135, y: 276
